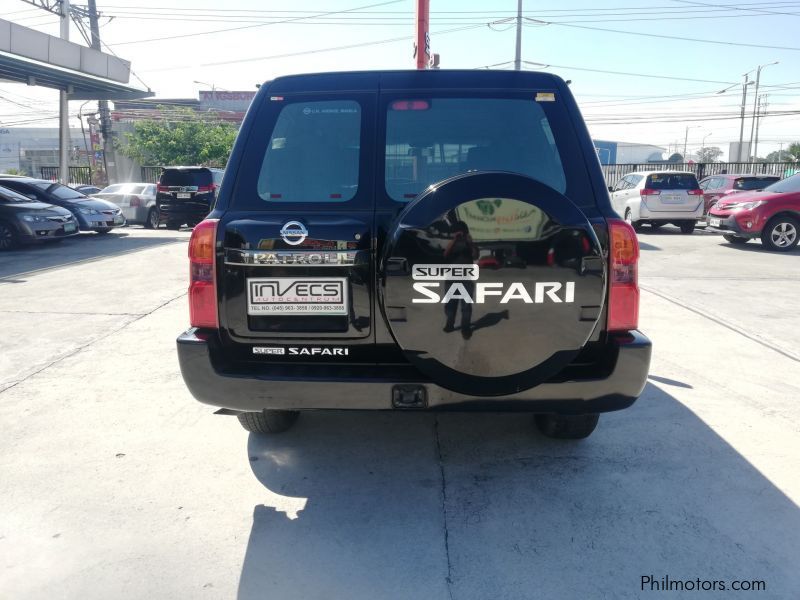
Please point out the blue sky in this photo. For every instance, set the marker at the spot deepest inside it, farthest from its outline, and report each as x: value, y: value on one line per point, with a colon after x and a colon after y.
x: 632, y: 108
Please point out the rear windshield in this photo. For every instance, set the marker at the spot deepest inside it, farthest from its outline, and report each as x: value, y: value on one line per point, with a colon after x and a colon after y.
x: 788, y: 185
x: 186, y: 177
x: 428, y: 140
x: 313, y: 154
x: 672, y: 181
x: 753, y: 183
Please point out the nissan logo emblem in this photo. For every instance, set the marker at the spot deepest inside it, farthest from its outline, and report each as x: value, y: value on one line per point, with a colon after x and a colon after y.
x: 294, y: 233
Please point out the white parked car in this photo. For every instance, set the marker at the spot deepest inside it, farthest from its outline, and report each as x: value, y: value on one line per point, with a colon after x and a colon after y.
x: 657, y: 198
x: 137, y: 201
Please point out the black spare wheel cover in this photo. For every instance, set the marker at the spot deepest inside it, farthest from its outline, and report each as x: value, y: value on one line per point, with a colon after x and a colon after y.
x: 491, y: 282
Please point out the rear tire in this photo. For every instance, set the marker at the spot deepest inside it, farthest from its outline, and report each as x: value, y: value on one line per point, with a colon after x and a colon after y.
x: 152, y: 219
x: 687, y: 227
x: 567, y: 427
x: 637, y: 225
x: 8, y: 237
x: 735, y: 239
x: 103, y: 231
x: 781, y: 233
x: 268, y: 421
x: 656, y: 225
x: 173, y: 225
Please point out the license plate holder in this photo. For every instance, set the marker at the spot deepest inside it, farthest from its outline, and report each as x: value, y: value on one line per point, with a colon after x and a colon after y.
x: 712, y: 222
x: 289, y: 296
x: 69, y: 227
x: 671, y: 199
x: 184, y: 195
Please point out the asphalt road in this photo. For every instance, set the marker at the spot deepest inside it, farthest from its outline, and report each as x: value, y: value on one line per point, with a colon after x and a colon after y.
x: 114, y: 483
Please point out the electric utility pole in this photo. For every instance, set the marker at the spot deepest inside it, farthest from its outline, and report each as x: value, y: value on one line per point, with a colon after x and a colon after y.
x: 762, y: 102
x: 756, y: 100
x: 423, y: 49
x: 63, y: 107
x: 518, y: 54
x: 741, y: 127
x: 102, y: 105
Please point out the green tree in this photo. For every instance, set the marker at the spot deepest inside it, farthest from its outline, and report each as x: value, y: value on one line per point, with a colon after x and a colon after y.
x: 708, y: 154
x: 794, y: 151
x: 182, y: 137
x: 13, y: 171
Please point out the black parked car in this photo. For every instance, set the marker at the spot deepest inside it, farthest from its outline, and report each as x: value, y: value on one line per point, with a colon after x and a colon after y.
x: 340, y: 267
x: 185, y: 195
x: 23, y: 221
x: 92, y: 214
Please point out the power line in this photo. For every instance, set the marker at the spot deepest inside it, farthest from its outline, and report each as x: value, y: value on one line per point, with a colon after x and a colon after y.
x: 648, y: 75
x: 185, y: 35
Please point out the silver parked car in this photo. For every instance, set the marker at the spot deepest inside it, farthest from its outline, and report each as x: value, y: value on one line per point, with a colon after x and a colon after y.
x: 137, y: 201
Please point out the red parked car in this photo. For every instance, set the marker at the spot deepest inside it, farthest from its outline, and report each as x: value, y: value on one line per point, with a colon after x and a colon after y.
x: 716, y: 187
x: 773, y: 214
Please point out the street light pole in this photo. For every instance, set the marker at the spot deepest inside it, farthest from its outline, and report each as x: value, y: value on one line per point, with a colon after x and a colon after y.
x: 755, y: 102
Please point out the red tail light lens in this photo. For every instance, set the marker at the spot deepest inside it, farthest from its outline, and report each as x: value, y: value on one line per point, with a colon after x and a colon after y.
x: 649, y: 192
x: 202, y: 275
x: 411, y: 105
x: 204, y: 189
x: 697, y: 192
x: 623, y: 296
x: 162, y: 188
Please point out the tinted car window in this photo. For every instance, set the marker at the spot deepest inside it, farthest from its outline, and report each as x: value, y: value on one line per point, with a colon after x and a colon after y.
x: 753, y: 183
x: 10, y: 196
x: 432, y: 139
x: 672, y: 181
x: 63, y: 192
x: 313, y: 154
x: 788, y: 185
x: 112, y: 189
x: 186, y: 177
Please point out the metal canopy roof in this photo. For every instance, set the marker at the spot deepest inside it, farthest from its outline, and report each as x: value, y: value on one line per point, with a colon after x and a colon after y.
x: 79, y: 85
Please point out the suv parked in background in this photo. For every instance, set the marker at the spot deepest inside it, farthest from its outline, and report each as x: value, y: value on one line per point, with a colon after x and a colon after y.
x: 772, y: 214
x: 185, y: 195
x: 657, y: 198
x: 92, y: 214
x: 26, y: 221
x: 340, y: 267
x: 721, y: 186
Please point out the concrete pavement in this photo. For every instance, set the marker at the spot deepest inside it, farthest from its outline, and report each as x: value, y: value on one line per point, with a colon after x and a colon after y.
x: 115, y: 483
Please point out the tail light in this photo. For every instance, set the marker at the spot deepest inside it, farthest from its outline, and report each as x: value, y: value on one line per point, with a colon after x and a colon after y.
x: 205, y: 189
x: 649, y: 192
x: 697, y: 192
x: 202, y: 275
x: 135, y: 201
x: 623, y: 296
x: 162, y: 188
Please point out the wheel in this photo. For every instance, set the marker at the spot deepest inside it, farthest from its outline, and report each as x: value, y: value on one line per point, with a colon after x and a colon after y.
x: 637, y: 226
x: 103, y: 231
x: 781, y: 233
x: 567, y: 427
x: 8, y: 237
x: 268, y: 421
x: 656, y: 225
x: 152, y: 220
x: 735, y: 239
x: 687, y: 227
x: 174, y: 225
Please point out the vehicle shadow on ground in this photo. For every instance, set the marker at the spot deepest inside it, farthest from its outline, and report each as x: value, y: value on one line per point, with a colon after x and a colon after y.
x: 85, y: 246
x: 390, y: 505
x: 757, y: 246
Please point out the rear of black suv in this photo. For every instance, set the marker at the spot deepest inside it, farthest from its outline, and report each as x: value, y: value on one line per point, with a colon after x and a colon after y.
x: 185, y: 195
x: 414, y: 240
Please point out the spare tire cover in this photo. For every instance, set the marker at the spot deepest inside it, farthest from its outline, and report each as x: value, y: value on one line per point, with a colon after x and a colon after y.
x: 491, y: 282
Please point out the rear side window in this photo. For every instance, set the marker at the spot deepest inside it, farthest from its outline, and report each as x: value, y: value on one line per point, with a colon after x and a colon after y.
x: 672, y: 181
x: 753, y: 183
x: 186, y: 177
x: 428, y: 140
x: 313, y: 154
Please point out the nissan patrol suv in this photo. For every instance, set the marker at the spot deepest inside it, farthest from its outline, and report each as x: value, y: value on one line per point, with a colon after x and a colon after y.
x: 414, y: 240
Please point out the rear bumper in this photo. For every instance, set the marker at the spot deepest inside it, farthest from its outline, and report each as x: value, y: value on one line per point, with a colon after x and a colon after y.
x: 193, y: 213
x: 370, y: 387
x: 646, y: 214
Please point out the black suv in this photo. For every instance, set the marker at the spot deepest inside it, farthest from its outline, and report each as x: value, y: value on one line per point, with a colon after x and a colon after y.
x: 185, y: 195
x: 415, y: 240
